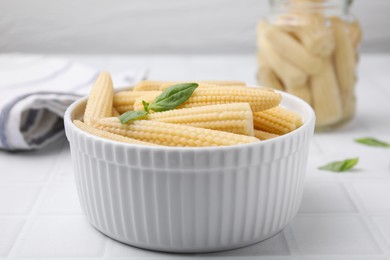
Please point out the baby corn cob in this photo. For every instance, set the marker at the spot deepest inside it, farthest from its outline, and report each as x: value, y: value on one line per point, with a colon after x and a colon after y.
x: 262, y: 135
x: 172, y: 134
x: 124, y: 100
x: 318, y: 40
x: 265, y: 75
x: 290, y: 75
x: 344, y: 59
x: 205, y: 83
x: 355, y: 33
x: 326, y: 97
x: 235, y: 118
x: 276, y: 120
x: 202, y: 85
x: 293, y: 51
x: 148, y: 85
x: 108, y: 135
x: 115, y: 112
x: 302, y: 92
x: 100, y: 99
x: 258, y: 99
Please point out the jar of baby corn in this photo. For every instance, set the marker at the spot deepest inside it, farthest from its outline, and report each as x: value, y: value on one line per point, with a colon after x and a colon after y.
x: 309, y: 48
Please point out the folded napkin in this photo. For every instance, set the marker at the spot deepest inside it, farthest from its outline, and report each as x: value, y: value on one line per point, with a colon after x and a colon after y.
x: 35, y: 91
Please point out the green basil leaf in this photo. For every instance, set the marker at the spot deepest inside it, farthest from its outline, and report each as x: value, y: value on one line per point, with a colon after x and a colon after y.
x: 173, y: 97
x: 146, y: 105
x: 340, y: 166
x: 131, y: 116
x: 372, y: 142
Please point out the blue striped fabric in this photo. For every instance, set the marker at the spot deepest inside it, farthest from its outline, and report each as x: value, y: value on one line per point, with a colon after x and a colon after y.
x: 35, y: 92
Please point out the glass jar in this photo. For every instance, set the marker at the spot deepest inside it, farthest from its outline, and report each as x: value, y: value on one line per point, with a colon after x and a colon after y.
x: 309, y: 48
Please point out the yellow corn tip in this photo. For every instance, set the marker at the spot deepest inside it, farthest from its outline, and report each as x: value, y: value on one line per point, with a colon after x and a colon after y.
x: 258, y: 99
x: 107, y: 135
x: 234, y: 118
x: 262, y: 135
x: 277, y: 120
x: 100, y: 99
x: 172, y: 134
x: 124, y: 100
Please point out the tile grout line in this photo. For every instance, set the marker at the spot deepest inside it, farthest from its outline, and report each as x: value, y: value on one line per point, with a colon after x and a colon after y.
x: 366, y: 216
x: 29, y: 218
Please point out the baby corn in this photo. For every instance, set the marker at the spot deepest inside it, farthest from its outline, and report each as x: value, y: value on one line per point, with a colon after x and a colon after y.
x: 258, y: 99
x: 344, y: 59
x: 293, y: 51
x: 267, y: 77
x: 107, y: 135
x: 124, y: 100
x: 326, y: 97
x: 302, y: 92
x: 234, y: 118
x: 202, y: 85
x: 276, y: 120
x: 262, y: 135
x: 115, y: 112
x: 171, y: 134
x: 289, y: 74
x: 148, y: 85
x: 100, y: 99
x: 318, y: 40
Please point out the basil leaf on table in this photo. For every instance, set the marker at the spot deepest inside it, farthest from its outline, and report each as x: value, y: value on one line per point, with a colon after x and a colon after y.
x: 132, y: 115
x: 173, y: 97
x: 372, y: 142
x: 340, y: 166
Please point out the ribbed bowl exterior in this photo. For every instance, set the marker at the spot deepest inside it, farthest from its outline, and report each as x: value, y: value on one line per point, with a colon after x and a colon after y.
x: 189, y: 199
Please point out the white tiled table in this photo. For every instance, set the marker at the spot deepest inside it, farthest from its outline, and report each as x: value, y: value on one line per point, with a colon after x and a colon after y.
x: 343, y: 215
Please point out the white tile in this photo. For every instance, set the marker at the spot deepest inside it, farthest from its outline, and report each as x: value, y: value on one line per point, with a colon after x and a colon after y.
x: 122, y: 250
x: 9, y: 230
x: 383, y: 223
x: 62, y: 237
x: 326, y: 197
x: 339, y: 257
x: 32, y: 166
x: 60, y: 199
x: 314, y: 147
x: 65, y: 171
x: 17, y: 199
x: 274, y: 246
x: 332, y: 235
x: 312, y: 171
x: 375, y: 195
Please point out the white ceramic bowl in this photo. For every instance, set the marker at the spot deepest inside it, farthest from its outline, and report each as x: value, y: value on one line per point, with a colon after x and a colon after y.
x: 190, y: 199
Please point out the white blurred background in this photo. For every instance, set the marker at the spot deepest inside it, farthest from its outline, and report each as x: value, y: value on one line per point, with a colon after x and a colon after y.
x: 155, y: 26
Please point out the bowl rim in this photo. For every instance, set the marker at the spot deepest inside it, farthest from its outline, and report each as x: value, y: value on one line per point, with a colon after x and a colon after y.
x: 307, y: 123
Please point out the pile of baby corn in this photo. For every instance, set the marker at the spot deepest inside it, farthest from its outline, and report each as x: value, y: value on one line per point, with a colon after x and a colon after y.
x: 313, y: 57
x: 218, y: 113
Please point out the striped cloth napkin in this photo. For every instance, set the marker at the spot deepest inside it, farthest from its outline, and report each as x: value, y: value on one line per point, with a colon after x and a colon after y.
x: 35, y: 91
